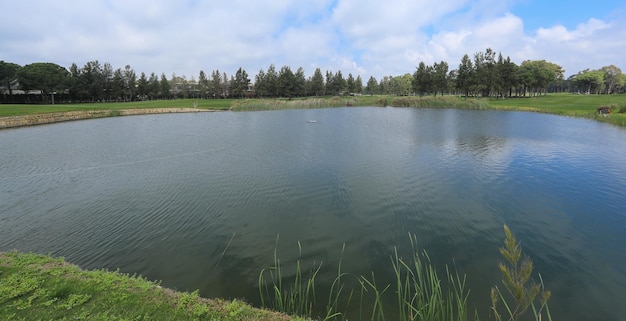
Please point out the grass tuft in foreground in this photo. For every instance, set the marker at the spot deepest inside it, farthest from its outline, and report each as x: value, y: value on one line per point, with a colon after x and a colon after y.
x: 38, y: 287
x: 422, y: 295
x: 296, y: 298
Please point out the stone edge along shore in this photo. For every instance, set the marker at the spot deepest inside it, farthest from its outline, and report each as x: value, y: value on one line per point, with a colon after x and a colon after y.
x: 49, y: 118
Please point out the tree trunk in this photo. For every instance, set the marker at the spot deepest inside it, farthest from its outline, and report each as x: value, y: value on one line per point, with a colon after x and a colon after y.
x: 10, y: 92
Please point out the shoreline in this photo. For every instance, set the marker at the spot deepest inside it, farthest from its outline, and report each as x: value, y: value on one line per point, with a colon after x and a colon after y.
x: 36, y: 286
x: 57, y: 117
x: 558, y: 104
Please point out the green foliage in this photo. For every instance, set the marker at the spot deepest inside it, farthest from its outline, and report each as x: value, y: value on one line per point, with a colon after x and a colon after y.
x: 438, y: 102
x: 465, y: 76
x: 317, y: 83
x: 44, y: 76
x: 538, y: 74
x: 517, y: 272
x: 306, y: 103
x: 286, y: 82
x: 440, y: 74
x: 575, y: 105
x: 8, y: 73
x: 74, y: 300
x: 239, y: 86
x: 296, y: 298
x: 371, y: 88
x: 37, y: 287
x: 590, y: 81
x: 18, y: 284
x: 422, y: 294
x: 423, y: 79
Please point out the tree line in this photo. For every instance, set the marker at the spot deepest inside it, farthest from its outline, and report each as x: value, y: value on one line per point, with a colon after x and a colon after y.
x: 485, y: 74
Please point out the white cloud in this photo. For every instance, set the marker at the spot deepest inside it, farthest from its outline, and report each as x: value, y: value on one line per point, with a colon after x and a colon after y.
x: 592, y: 44
x: 560, y: 34
x: 358, y: 37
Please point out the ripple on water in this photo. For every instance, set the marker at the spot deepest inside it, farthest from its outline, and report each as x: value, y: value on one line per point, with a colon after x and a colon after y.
x: 199, y: 201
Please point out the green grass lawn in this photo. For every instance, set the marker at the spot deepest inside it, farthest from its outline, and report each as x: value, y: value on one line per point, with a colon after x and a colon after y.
x: 23, y: 109
x: 38, y: 287
x: 568, y: 105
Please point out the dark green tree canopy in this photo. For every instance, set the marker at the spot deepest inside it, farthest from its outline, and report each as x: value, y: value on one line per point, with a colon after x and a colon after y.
x: 286, y: 82
x: 8, y: 72
x: 44, y: 76
x: 486, y: 74
x: 372, y: 86
x: 317, y: 83
x: 239, y: 85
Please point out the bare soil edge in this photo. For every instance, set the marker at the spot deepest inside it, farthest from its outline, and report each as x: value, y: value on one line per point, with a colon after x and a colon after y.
x: 48, y: 118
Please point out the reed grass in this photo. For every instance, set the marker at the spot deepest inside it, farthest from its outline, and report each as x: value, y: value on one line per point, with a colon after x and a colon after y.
x: 523, y: 291
x: 422, y: 294
x: 305, y: 103
x: 296, y: 298
x: 419, y: 291
x: 439, y: 102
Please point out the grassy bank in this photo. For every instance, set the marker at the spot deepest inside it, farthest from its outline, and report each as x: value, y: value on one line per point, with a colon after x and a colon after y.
x: 584, y: 106
x: 38, y: 287
x: 21, y: 109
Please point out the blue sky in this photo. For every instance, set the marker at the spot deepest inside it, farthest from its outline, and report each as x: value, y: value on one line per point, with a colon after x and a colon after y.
x: 367, y: 38
x: 537, y: 13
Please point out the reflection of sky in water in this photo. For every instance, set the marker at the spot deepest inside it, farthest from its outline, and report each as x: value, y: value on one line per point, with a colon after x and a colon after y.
x: 165, y: 195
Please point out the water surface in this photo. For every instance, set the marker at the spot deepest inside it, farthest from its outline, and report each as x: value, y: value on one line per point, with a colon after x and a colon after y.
x: 198, y: 200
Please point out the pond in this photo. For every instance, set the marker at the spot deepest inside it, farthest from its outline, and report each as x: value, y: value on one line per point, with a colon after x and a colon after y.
x: 201, y: 201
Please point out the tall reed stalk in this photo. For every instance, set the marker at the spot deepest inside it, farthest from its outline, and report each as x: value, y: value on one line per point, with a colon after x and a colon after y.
x: 523, y: 291
x: 420, y: 293
x: 296, y: 298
